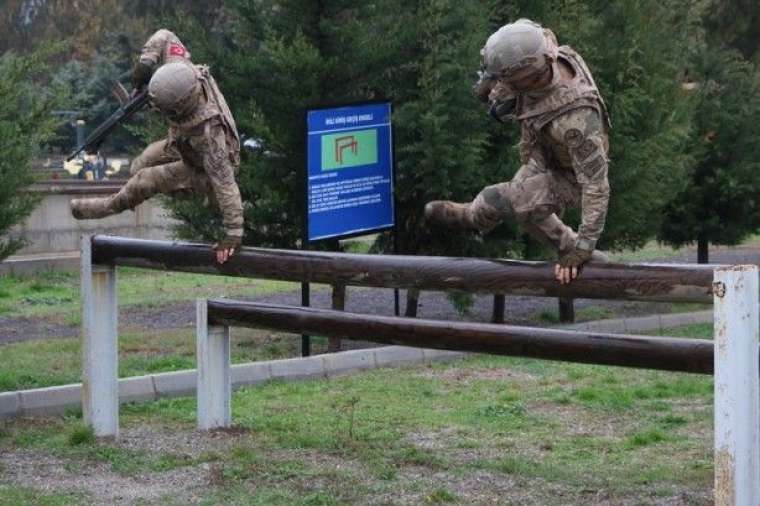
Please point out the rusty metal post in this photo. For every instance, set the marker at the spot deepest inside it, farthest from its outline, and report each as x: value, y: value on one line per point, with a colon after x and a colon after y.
x: 100, y: 357
x: 737, y: 386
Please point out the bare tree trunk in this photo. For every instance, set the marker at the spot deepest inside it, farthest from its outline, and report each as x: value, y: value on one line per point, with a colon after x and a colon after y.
x: 566, y: 310
x: 334, y: 344
x: 412, y: 301
x: 498, y: 308
x: 703, y: 250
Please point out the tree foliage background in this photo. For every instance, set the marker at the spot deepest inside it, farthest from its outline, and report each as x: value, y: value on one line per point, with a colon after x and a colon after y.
x: 25, y: 124
x: 719, y: 201
x: 672, y: 151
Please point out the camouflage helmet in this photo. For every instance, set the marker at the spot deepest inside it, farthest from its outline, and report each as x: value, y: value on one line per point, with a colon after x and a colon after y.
x: 515, y: 47
x: 175, y: 90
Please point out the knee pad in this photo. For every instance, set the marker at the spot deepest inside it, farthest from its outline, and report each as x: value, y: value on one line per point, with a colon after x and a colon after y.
x: 495, y: 197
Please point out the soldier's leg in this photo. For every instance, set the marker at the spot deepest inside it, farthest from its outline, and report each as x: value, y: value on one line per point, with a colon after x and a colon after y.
x: 483, y: 214
x: 487, y: 209
x: 156, y: 153
x: 541, y: 200
x: 146, y: 183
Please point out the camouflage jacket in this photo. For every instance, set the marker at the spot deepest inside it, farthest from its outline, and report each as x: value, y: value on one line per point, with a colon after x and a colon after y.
x: 565, y: 127
x: 163, y: 47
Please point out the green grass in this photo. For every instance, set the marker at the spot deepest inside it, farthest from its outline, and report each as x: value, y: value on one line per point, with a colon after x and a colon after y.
x: 15, y: 496
x: 415, y: 435
x: 41, y: 363
x: 57, y: 293
x: 49, y: 362
x: 588, y: 313
x: 652, y: 250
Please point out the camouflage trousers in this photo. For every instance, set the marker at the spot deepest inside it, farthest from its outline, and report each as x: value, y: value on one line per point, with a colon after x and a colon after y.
x: 158, y: 169
x: 536, y: 197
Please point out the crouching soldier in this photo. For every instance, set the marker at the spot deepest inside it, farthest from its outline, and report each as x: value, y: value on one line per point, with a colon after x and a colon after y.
x: 201, y: 153
x: 563, y: 149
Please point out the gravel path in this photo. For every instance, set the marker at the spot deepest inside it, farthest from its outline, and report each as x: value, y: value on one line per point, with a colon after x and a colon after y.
x: 434, y: 305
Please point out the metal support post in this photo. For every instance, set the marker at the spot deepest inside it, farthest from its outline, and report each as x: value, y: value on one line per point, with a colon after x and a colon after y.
x: 100, y: 387
x: 214, y: 377
x: 737, y: 389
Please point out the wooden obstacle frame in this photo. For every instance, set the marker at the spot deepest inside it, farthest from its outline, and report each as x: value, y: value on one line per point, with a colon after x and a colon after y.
x: 732, y: 357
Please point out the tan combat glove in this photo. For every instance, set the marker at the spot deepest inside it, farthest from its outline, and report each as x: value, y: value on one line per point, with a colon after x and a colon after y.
x: 570, y: 264
x: 227, y: 247
x: 576, y: 257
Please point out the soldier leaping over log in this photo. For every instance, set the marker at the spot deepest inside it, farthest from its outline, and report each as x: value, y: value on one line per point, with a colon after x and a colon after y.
x: 201, y: 153
x: 563, y: 147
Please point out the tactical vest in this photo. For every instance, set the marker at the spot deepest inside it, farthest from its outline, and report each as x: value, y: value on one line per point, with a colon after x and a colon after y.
x: 563, y: 95
x: 215, y: 106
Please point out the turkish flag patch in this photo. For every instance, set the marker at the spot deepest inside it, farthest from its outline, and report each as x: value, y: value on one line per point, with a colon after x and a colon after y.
x: 176, y: 49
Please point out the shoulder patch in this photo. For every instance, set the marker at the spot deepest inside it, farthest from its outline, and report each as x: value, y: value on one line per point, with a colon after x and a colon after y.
x: 177, y: 49
x: 573, y: 138
x: 591, y: 168
x: 585, y: 149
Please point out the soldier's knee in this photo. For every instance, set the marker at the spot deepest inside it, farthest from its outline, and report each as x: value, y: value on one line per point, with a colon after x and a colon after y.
x: 497, y: 197
x: 136, y: 165
x: 485, y: 220
x: 483, y: 214
x: 534, y: 214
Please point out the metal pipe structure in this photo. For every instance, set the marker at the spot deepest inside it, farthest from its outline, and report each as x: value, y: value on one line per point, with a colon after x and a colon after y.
x: 670, y: 354
x: 645, y: 282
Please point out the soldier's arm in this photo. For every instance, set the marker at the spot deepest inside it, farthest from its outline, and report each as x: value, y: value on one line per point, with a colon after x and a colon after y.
x: 584, y: 135
x: 217, y: 163
x: 151, y: 56
x: 153, y: 49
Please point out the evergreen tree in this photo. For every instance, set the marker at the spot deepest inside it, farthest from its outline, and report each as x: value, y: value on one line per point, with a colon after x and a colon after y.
x: 719, y: 203
x: 735, y: 24
x: 88, y: 91
x: 25, y: 123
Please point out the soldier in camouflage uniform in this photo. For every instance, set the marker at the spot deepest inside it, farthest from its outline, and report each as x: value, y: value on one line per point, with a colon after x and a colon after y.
x: 563, y: 148
x: 201, y: 153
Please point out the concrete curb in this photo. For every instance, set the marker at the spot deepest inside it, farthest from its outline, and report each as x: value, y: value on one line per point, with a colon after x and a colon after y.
x: 59, y: 399
x: 644, y: 323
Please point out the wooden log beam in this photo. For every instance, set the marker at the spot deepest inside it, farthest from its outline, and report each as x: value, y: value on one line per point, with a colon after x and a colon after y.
x: 646, y: 282
x: 671, y: 354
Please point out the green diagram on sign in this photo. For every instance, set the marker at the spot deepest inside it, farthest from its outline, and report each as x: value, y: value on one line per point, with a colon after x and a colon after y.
x: 349, y: 149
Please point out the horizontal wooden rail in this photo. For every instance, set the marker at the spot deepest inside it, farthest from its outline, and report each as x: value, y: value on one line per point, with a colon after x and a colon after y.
x: 671, y: 354
x: 646, y: 282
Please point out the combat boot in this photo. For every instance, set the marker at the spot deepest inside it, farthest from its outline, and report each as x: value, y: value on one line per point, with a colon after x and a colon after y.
x: 91, y: 209
x: 451, y: 214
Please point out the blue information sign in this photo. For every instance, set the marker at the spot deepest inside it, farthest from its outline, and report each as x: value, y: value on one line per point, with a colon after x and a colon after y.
x: 350, y: 170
